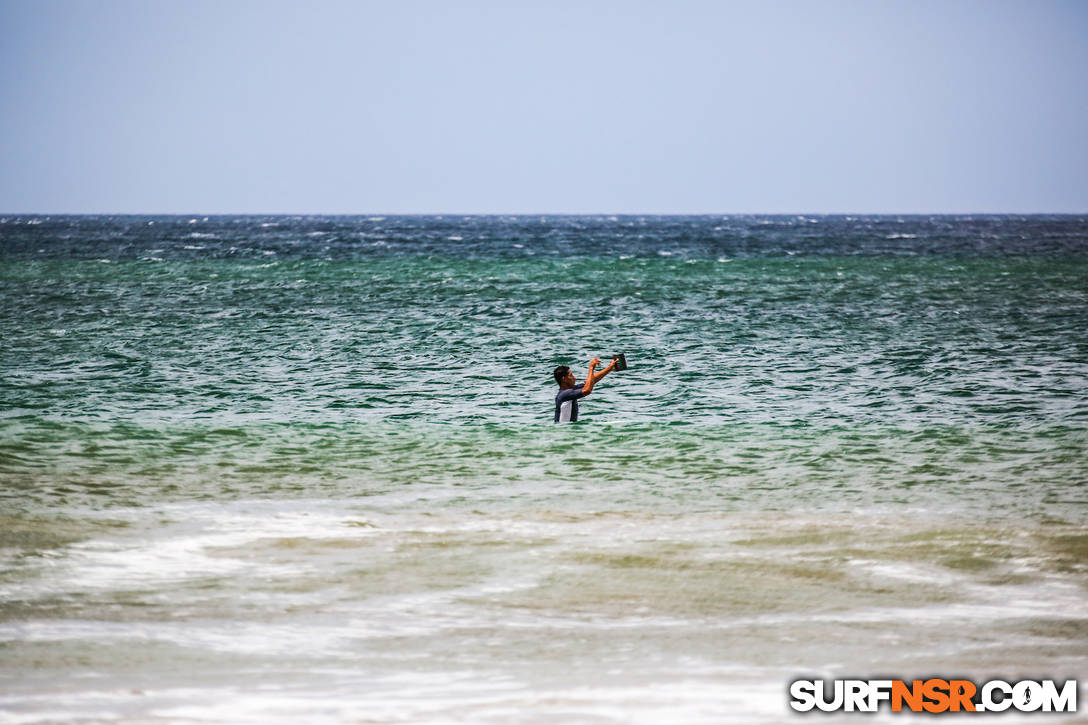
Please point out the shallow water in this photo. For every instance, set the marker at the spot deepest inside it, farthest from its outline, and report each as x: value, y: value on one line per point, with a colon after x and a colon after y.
x: 277, y: 469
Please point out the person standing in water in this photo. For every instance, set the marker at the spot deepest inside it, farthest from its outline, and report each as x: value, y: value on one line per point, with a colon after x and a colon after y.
x: 566, y: 400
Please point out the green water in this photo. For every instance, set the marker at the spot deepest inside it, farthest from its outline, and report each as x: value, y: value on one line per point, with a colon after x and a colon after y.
x: 859, y: 379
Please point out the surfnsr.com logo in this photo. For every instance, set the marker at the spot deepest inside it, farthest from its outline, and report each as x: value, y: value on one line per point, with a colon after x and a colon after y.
x: 933, y: 695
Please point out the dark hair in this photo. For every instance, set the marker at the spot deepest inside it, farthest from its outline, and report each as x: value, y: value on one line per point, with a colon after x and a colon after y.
x: 560, y: 373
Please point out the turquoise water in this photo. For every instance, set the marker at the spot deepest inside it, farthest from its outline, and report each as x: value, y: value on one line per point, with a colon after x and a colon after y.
x: 265, y: 468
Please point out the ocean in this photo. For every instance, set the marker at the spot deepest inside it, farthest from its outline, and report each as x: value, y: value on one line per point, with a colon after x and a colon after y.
x: 283, y: 469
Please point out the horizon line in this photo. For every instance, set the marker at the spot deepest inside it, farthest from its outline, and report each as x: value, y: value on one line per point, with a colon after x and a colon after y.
x: 548, y: 213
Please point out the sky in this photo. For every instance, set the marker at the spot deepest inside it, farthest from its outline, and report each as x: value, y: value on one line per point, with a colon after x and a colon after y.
x: 410, y: 106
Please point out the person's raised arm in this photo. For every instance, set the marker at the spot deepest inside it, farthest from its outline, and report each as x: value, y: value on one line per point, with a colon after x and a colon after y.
x: 587, y: 387
x: 592, y: 377
x: 606, y: 371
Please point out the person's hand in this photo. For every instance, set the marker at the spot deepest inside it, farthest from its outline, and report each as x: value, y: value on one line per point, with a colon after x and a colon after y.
x: 612, y: 364
x: 594, y: 362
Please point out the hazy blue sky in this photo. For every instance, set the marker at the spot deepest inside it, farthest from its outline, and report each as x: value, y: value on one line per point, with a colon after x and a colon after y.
x: 550, y: 106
